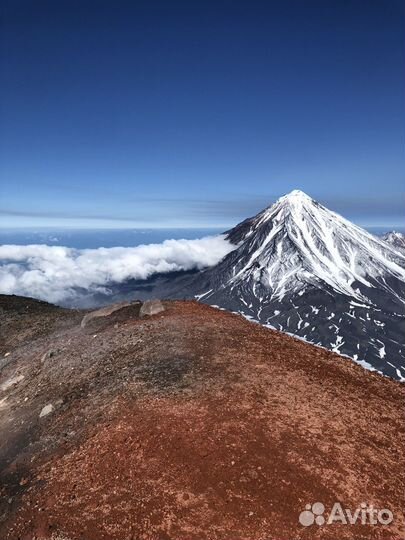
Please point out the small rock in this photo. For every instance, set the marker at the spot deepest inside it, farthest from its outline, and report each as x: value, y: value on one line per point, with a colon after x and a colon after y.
x: 151, y: 307
x: 104, y: 312
x: 48, y: 409
x: 48, y: 354
x: 7, y: 354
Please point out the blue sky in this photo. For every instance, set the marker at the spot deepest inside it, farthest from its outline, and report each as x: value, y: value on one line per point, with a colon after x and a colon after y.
x: 173, y: 114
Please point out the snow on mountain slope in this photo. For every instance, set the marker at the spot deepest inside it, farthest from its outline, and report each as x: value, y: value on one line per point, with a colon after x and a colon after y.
x: 298, y: 241
x: 306, y: 270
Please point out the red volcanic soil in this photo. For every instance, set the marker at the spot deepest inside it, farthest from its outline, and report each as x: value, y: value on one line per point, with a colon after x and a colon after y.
x: 190, y: 424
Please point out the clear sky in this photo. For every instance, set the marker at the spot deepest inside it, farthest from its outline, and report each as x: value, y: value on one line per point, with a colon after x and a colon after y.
x: 200, y: 113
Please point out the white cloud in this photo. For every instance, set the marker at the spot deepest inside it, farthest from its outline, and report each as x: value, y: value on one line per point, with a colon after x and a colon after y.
x: 54, y: 273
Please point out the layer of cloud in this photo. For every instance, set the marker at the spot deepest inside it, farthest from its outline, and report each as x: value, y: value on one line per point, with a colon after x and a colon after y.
x: 55, y: 273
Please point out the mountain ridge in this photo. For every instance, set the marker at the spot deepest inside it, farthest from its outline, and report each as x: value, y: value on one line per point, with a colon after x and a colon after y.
x: 395, y: 239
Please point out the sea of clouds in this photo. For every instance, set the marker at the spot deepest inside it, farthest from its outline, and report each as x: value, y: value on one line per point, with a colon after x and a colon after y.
x: 55, y: 273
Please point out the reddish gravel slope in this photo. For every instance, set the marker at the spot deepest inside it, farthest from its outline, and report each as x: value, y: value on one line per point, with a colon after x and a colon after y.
x: 191, y: 424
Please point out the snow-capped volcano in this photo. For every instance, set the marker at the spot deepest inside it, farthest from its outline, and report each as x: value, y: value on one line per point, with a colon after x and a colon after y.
x: 306, y: 270
x: 297, y: 242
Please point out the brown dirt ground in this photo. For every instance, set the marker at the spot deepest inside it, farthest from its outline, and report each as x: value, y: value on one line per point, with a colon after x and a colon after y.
x: 192, y: 424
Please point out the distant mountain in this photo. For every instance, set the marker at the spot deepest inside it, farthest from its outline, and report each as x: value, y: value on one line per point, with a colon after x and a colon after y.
x: 308, y: 271
x: 396, y: 239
